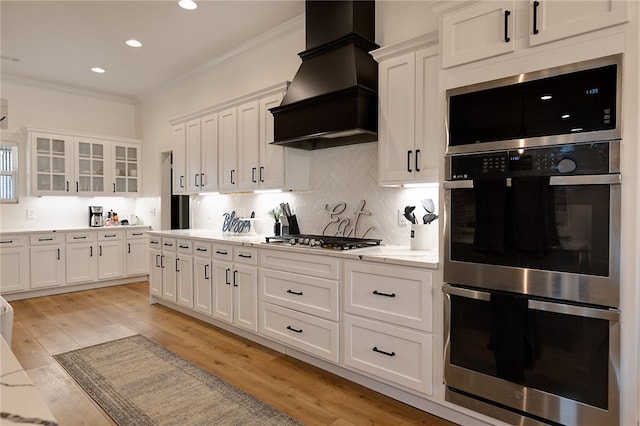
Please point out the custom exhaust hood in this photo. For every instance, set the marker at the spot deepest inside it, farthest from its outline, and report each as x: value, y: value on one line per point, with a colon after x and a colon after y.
x: 333, y: 98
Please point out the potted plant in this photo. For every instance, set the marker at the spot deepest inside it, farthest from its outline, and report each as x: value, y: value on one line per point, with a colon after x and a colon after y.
x: 276, y: 213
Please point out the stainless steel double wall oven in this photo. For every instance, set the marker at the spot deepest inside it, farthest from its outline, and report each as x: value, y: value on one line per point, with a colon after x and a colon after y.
x: 532, y: 240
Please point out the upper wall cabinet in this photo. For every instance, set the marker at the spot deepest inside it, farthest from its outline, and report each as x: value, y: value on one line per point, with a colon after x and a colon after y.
x: 179, y: 159
x: 410, y: 134
x: 229, y: 149
x: 490, y: 28
x: 68, y: 164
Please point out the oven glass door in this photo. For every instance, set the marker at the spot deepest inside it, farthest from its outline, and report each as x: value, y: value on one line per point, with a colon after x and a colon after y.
x: 570, y: 352
x: 575, y: 235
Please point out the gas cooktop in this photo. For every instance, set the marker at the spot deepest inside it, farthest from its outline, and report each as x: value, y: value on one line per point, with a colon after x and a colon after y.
x: 323, y: 241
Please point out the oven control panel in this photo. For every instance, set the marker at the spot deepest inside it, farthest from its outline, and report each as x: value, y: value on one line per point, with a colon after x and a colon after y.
x: 573, y: 159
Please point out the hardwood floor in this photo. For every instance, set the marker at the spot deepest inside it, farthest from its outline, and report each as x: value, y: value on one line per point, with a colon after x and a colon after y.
x: 50, y: 325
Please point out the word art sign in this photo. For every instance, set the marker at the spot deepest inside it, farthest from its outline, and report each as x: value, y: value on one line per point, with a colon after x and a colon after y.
x: 234, y: 224
x: 340, y: 226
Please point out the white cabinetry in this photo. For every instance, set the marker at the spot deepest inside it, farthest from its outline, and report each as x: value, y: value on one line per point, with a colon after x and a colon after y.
x: 179, y: 159
x: 410, y: 135
x: 111, y: 254
x: 169, y: 267
x: 126, y: 166
x: 235, y: 286
x: 248, y: 145
x: 227, y: 149
x: 51, y: 164
x: 388, y: 323
x: 202, y: 154
x: 184, y: 273
x: 155, y: 266
x: 202, y: 277
x: 92, y: 171
x: 488, y: 28
x: 47, y: 260
x: 300, y: 307
x: 14, y: 263
x: 69, y: 164
x: 137, y: 252
x: 82, y: 257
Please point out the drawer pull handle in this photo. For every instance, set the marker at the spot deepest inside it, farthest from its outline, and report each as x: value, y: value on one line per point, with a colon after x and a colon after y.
x: 375, y: 349
x: 377, y: 293
x: 226, y: 276
x: 181, y: 246
x: 246, y: 256
x: 536, y: 4
x: 206, y: 271
x: 168, y: 244
x: 128, y: 247
x: 294, y: 329
x: 153, y: 241
x: 6, y: 242
x: 45, y: 239
x: 507, y: 13
x: 80, y: 238
x: 297, y: 293
x: 224, y: 252
x: 235, y: 278
x: 110, y: 235
x: 137, y: 234
x: 200, y: 249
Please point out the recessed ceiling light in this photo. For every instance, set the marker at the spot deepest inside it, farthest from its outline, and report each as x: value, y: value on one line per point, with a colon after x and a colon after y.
x: 187, y: 4
x: 133, y: 43
x: 545, y: 97
x: 98, y: 70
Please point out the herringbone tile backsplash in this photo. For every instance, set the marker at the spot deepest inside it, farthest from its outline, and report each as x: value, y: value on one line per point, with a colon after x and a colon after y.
x: 338, y: 175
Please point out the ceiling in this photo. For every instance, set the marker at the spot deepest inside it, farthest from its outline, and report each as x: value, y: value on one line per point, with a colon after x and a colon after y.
x: 58, y: 42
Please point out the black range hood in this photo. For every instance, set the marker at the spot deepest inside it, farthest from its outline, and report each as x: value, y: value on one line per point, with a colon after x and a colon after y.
x: 333, y: 98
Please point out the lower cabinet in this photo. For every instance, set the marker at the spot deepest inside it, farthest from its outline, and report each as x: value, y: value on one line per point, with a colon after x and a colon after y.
x: 388, y: 323
x: 184, y: 273
x: 155, y: 267
x: 111, y: 254
x: 300, y: 308
x: 202, y: 277
x: 169, y: 267
x: 47, y: 260
x: 82, y: 257
x: 235, y: 286
x: 137, y: 246
x: 14, y: 263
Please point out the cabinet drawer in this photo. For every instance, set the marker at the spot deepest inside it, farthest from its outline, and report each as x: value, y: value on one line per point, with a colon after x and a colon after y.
x: 13, y: 240
x: 245, y: 255
x: 110, y: 235
x: 222, y: 252
x: 299, y: 263
x: 185, y: 246
x: 310, y: 334
x: 43, y: 239
x: 202, y: 249
x: 169, y: 244
x: 80, y: 237
x: 155, y: 242
x: 398, y: 295
x: 136, y: 234
x: 315, y: 296
x: 393, y: 353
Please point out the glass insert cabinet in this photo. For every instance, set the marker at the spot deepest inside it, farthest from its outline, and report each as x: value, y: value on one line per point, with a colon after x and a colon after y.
x: 77, y: 165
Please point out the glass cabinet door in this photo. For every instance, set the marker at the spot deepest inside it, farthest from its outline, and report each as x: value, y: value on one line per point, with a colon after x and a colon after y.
x: 51, y: 156
x: 90, y: 157
x: 126, y: 165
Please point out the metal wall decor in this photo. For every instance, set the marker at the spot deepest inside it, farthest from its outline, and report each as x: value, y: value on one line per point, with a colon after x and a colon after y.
x: 340, y: 226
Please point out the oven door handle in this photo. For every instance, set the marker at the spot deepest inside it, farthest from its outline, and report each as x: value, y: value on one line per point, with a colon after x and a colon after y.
x: 610, y: 179
x: 609, y: 314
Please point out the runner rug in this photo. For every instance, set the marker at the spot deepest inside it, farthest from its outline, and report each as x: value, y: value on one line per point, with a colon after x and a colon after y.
x: 138, y: 382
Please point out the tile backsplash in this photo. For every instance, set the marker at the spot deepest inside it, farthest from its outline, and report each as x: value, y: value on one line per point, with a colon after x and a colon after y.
x: 347, y: 175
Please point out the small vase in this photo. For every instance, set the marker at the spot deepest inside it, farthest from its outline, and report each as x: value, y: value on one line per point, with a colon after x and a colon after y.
x: 276, y: 229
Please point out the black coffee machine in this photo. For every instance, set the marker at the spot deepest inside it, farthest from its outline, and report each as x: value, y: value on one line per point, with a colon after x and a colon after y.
x: 95, y: 216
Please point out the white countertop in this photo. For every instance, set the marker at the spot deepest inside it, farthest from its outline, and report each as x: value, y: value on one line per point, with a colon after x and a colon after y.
x: 397, y: 255
x: 73, y: 229
x: 18, y: 396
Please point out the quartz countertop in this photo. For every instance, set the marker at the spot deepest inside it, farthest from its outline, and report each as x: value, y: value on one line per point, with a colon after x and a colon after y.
x: 19, y: 399
x: 396, y: 255
x: 71, y: 229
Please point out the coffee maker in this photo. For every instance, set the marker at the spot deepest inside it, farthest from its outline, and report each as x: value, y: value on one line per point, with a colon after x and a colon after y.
x: 95, y: 216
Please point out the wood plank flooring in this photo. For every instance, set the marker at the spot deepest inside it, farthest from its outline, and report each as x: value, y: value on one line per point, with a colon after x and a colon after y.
x: 50, y: 325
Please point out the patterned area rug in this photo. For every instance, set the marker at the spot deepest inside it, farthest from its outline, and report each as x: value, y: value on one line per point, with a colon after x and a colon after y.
x: 138, y: 382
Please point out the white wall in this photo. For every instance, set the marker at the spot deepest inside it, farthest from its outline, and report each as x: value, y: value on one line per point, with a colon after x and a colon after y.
x: 38, y: 105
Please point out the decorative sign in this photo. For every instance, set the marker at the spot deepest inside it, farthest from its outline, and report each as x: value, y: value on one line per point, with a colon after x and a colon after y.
x: 340, y: 226
x: 233, y: 224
